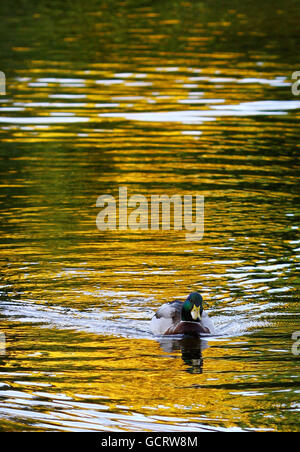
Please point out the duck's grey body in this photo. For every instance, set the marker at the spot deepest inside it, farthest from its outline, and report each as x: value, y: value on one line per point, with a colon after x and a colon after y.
x: 168, y: 320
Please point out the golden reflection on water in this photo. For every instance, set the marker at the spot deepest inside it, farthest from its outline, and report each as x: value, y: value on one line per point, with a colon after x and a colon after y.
x: 165, y: 389
x: 168, y: 104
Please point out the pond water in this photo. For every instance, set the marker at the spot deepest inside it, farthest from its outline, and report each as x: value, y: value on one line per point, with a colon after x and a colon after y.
x: 174, y: 98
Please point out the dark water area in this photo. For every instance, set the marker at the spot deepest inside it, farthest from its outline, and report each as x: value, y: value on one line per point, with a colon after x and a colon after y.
x: 164, y: 98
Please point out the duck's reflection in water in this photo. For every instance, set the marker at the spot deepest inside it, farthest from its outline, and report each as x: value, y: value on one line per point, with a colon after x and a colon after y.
x: 191, y: 350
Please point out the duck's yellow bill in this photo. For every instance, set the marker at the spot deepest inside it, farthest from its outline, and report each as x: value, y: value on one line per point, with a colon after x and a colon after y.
x: 195, y: 312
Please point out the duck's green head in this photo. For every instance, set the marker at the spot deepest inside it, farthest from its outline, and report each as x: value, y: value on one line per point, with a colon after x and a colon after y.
x: 192, y: 308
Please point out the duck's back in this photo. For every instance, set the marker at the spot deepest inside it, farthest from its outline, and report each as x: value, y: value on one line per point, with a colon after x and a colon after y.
x: 166, y: 317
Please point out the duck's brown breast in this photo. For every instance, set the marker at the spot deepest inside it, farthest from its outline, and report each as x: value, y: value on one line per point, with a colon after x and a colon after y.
x: 190, y: 328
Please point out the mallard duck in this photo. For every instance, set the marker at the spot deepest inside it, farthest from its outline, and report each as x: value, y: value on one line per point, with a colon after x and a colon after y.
x: 178, y: 317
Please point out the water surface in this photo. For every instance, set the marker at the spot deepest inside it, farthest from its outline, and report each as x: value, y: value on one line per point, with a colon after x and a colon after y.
x: 168, y: 98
